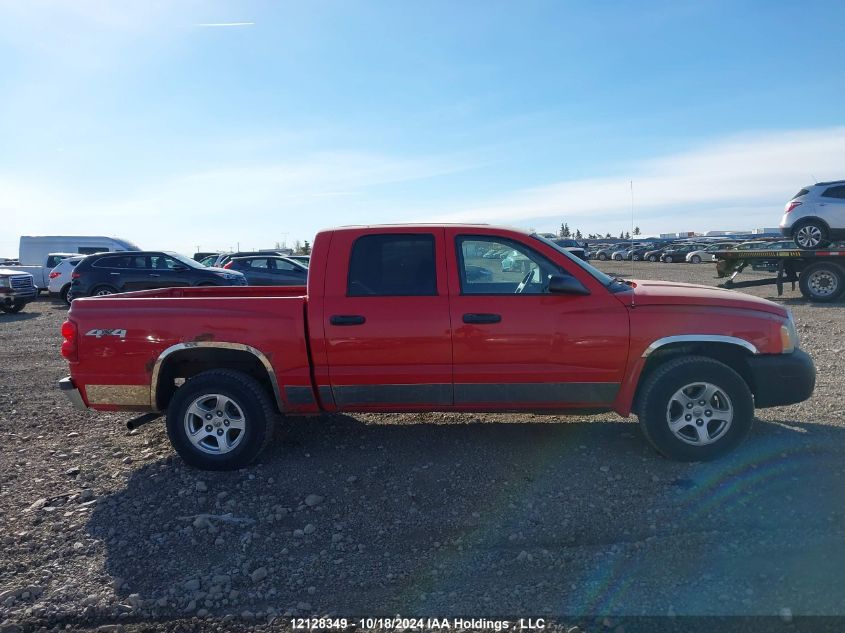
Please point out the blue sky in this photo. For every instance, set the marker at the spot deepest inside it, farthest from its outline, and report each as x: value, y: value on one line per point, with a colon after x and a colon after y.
x: 142, y: 120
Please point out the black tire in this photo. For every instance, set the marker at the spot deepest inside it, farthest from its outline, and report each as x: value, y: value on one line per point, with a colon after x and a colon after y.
x: 823, y: 282
x: 810, y: 234
x: 656, y: 403
x: 695, y: 259
x: 13, y: 308
x: 652, y: 258
x: 63, y: 294
x: 259, y: 418
x: 636, y: 258
x: 104, y: 290
x: 668, y: 259
x: 601, y: 256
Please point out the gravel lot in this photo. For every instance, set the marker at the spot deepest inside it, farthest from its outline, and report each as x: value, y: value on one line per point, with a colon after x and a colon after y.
x: 424, y: 515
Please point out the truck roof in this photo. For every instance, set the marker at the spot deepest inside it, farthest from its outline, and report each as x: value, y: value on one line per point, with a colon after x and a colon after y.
x: 425, y: 225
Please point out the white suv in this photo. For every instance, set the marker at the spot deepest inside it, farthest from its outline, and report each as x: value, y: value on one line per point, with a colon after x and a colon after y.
x: 815, y: 216
x: 59, y: 278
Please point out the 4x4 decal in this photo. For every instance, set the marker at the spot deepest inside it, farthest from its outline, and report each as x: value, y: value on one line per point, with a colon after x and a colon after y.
x: 100, y: 333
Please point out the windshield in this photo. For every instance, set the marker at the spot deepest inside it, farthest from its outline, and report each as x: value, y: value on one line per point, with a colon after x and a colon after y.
x: 191, y: 263
x: 602, y: 278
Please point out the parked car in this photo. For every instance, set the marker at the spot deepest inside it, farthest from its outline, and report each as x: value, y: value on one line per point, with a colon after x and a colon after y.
x: 655, y: 254
x: 268, y: 270
x: 706, y: 254
x: 302, y: 259
x: 676, y: 254
x: 391, y: 322
x: 571, y: 245
x: 111, y: 273
x: 60, y: 277
x: 605, y: 253
x: 815, y: 215
x: 221, y: 259
x: 16, y: 290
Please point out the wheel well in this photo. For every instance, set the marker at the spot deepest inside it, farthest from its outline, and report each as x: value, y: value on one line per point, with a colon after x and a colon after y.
x: 731, y: 355
x: 807, y: 220
x: 187, y: 363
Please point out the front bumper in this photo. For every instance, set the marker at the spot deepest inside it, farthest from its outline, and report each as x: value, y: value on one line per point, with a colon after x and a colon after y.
x: 9, y: 296
x: 72, y: 393
x: 779, y: 379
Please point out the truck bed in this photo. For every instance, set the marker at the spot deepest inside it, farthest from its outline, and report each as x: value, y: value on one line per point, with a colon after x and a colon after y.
x: 124, y: 337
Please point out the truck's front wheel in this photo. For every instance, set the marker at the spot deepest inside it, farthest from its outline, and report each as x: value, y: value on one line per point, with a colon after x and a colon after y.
x: 695, y: 409
x: 220, y: 420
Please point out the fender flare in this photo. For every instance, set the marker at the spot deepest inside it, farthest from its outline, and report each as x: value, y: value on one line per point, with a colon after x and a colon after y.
x: 265, y: 362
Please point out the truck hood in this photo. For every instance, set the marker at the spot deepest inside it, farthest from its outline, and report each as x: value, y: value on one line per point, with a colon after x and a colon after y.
x: 652, y: 293
x: 11, y: 271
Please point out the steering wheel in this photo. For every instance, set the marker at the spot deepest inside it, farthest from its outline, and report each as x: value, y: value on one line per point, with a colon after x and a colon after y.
x: 524, y: 282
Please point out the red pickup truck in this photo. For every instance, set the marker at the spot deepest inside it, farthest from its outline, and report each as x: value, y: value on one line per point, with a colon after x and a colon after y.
x: 435, y: 318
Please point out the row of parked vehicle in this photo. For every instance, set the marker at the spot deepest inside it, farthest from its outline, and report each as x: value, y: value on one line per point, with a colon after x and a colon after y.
x: 70, y: 275
x: 692, y: 252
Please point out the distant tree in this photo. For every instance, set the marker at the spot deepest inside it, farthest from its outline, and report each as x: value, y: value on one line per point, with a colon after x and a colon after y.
x: 564, y: 230
x: 621, y: 235
x: 636, y: 230
x: 578, y: 235
x: 627, y: 235
x: 608, y: 235
x: 304, y: 248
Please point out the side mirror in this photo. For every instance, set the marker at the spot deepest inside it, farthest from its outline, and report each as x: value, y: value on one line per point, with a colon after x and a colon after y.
x: 566, y: 285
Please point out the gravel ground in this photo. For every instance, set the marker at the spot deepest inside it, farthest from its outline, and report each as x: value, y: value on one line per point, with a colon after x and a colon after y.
x: 424, y: 515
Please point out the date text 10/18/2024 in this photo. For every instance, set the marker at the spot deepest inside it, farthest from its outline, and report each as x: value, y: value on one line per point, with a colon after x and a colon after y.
x: 424, y: 624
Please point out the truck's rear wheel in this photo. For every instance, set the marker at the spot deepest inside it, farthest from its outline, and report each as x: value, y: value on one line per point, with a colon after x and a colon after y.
x: 220, y: 420
x: 695, y: 409
x: 822, y: 282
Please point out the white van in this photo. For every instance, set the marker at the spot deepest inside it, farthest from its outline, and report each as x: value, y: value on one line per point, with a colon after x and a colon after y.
x: 34, y: 249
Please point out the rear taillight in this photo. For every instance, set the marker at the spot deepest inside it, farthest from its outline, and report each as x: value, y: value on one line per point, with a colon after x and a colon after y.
x: 229, y: 265
x: 69, y: 346
x: 790, y: 206
x: 75, y: 275
x: 54, y: 274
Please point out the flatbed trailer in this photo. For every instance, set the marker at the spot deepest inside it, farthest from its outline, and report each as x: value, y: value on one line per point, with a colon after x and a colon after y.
x: 820, y: 274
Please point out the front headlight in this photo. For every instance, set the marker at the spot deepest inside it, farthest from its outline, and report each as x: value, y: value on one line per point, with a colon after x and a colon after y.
x: 788, y: 335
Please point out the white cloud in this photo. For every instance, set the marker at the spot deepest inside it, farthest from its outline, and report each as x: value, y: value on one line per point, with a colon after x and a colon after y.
x: 748, y: 171
x: 736, y: 183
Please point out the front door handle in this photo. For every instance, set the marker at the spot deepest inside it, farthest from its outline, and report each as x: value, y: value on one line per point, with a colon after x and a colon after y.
x: 347, y: 319
x: 473, y: 317
x: 154, y: 275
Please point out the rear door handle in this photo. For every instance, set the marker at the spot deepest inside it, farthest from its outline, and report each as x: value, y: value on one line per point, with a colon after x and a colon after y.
x: 154, y: 275
x: 347, y: 319
x: 473, y: 317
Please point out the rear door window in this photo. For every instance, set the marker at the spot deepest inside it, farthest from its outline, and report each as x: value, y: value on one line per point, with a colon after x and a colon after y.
x: 115, y: 261
x: 835, y: 192
x: 393, y: 264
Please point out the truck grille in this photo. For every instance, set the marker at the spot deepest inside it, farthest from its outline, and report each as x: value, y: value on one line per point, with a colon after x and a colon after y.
x: 21, y: 282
